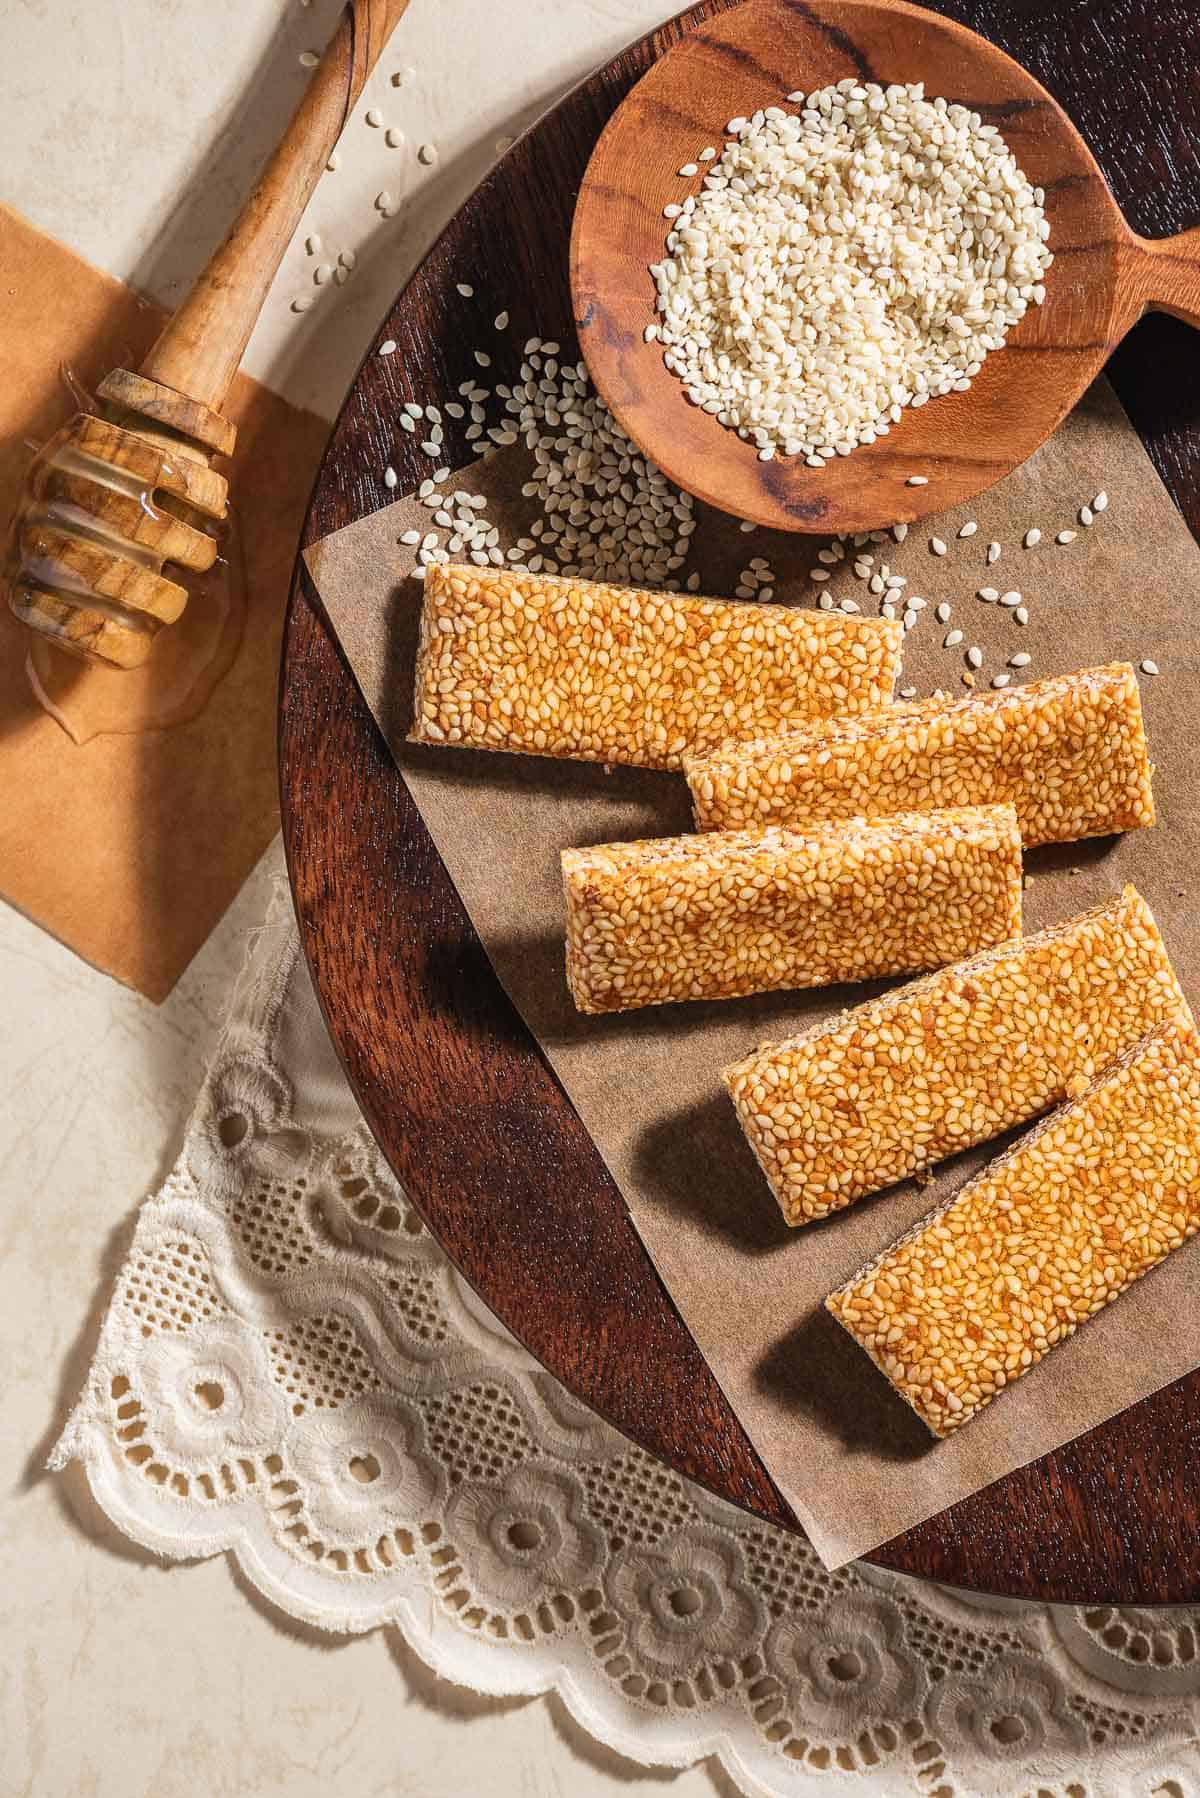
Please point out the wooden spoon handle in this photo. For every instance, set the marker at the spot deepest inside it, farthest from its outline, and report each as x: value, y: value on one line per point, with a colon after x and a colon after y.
x: 1169, y: 274
x: 201, y: 346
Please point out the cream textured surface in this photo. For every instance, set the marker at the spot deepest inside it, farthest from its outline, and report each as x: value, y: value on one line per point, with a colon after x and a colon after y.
x: 127, y: 1673
x: 290, y: 1370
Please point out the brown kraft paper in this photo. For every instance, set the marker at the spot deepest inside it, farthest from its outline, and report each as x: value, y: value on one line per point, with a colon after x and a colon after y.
x: 855, y: 1464
x: 129, y: 846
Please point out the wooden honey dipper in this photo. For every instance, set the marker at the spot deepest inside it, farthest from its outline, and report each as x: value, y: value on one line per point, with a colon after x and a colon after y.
x: 119, y: 493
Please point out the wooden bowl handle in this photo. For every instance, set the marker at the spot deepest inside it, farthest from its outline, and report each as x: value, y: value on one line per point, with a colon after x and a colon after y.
x: 1169, y: 275
x: 201, y: 346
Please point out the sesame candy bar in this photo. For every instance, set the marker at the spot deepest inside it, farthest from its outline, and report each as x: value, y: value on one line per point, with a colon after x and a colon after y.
x: 929, y: 1069
x: 1094, y: 1197
x: 1069, y: 752
x: 713, y: 917
x: 546, y: 665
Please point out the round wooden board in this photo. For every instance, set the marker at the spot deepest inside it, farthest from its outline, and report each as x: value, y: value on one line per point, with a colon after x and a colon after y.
x: 453, y: 1086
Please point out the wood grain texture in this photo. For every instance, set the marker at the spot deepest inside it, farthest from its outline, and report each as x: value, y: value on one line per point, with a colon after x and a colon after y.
x: 1103, y: 279
x: 449, y: 1078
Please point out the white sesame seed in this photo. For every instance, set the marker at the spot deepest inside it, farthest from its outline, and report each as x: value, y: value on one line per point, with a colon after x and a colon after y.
x: 1100, y: 503
x: 392, y: 138
x: 1086, y: 515
x: 689, y: 168
x: 309, y: 59
x: 993, y: 553
x: 969, y: 529
x: 302, y: 302
x: 937, y: 546
x: 312, y: 244
x: 374, y: 118
x: 407, y: 423
x: 1012, y: 598
x: 322, y: 273
x: 917, y: 480
x: 1149, y: 667
x: 427, y: 154
x: 1065, y: 537
x: 818, y: 574
x: 975, y: 656
x: 943, y: 613
x: 899, y: 532
x: 412, y: 537
x: 1021, y: 615
x: 384, y: 200
x: 952, y: 639
x: 1020, y: 660
x: 466, y: 290
x: 1032, y: 538
x: 708, y: 154
x: 390, y: 477
x: 1001, y: 680
x: 908, y: 692
x: 483, y: 359
x: 347, y: 258
x: 988, y: 594
x: 388, y: 348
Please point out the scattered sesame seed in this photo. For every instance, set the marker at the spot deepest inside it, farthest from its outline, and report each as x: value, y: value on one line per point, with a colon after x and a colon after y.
x: 993, y: 553
x: 411, y: 537
x: 322, y: 272
x: 1021, y: 615
x: 672, y: 211
x: 333, y: 162
x: 989, y: 595
x: 736, y: 125
x: 943, y: 613
x: 1001, y: 680
x: 302, y: 302
x: 407, y: 423
x: 483, y: 359
x: 501, y: 321
x: 347, y: 258
x: 689, y: 168
x: 969, y: 529
x: 1065, y: 537
x: 908, y: 692
x: 1020, y: 660
x: 384, y: 201
x: 975, y: 656
x: 390, y: 477
x: 393, y: 138
x: 312, y: 244
x: 388, y: 348
x: 917, y: 480
x: 1033, y: 538
x: 1100, y: 503
x: 899, y: 532
x: 309, y: 59
x: 1012, y: 598
x: 1086, y: 515
x: 818, y: 574
x: 375, y: 118
x: 937, y: 546
x: 427, y: 154
x: 466, y: 290
x: 1149, y: 667
x: 708, y: 154
x: 952, y: 639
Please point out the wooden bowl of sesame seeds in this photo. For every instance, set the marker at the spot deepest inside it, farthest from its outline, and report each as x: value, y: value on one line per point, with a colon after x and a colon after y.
x: 450, y: 1080
x: 661, y: 154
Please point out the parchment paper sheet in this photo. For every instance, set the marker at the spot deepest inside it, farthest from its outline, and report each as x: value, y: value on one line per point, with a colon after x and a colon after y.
x: 129, y: 847
x: 855, y: 1464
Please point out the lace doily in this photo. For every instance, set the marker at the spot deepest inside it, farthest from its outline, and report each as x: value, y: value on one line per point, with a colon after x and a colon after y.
x: 291, y: 1372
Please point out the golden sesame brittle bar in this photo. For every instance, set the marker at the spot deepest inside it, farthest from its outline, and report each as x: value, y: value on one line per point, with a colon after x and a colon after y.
x: 1094, y: 1197
x: 929, y: 1069
x: 550, y: 665
x: 1069, y: 752
x: 713, y: 917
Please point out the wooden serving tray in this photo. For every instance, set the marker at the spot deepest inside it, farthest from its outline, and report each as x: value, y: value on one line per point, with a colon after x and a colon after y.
x: 449, y: 1078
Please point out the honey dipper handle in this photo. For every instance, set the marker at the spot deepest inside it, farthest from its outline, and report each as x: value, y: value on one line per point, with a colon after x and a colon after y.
x: 200, y: 348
